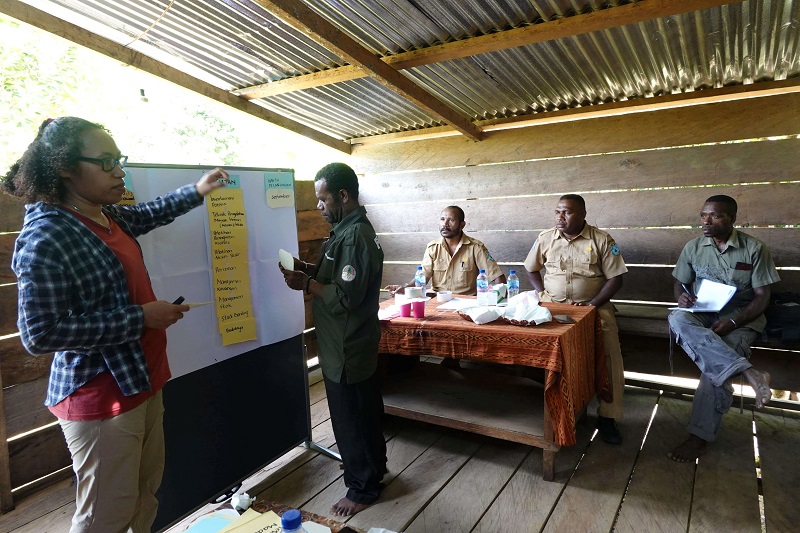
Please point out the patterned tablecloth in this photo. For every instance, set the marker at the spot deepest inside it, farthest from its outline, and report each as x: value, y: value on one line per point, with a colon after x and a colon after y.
x: 573, y: 352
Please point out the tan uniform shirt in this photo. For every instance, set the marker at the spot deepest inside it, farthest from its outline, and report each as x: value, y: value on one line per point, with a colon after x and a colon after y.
x: 574, y: 271
x: 458, y: 274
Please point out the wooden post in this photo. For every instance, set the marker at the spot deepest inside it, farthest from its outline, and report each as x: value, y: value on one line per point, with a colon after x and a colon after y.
x: 6, y: 498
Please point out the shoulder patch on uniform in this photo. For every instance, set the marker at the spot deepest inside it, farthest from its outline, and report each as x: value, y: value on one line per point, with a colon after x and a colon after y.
x: 489, y: 256
x: 614, y: 249
x: 348, y: 273
x: 377, y: 242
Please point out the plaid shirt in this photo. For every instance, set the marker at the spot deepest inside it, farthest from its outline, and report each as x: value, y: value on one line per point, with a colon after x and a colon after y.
x: 73, y: 296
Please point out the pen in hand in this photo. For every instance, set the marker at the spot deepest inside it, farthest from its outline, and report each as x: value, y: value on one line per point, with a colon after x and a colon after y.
x: 689, y: 294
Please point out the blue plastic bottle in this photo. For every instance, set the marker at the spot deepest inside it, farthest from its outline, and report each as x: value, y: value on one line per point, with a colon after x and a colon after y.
x: 419, y: 279
x: 512, y: 283
x: 292, y: 522
x: 483, y: 282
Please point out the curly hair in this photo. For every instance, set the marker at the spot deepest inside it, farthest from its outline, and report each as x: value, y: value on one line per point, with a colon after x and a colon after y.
x: 36, y: 176
x: 339, y: 176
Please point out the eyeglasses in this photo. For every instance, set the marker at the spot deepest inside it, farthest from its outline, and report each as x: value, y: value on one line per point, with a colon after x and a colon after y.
x: 107, y: 164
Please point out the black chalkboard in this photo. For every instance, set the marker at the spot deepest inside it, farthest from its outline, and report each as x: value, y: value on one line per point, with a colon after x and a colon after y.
x: 224, y: 422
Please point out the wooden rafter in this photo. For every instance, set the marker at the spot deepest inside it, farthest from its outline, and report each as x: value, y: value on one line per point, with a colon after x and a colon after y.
x: 640, y: 105
x: 297, y: 14
x: 536, y: 33
x: 76, y: 34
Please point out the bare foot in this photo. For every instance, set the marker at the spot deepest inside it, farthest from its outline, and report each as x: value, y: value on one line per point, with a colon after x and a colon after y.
x: 345, y: 507
x: 689, y: 451
x: 760, y: 382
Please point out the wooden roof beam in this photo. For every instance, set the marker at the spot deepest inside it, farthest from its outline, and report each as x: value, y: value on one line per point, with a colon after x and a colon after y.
x: 78, y: 35
x: 638, y: 105
x: 536, y: 33
x: 297, y: 14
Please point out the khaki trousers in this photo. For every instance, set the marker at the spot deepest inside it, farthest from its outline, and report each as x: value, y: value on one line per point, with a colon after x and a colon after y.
x: 119, y: 463
x: 616, y: 372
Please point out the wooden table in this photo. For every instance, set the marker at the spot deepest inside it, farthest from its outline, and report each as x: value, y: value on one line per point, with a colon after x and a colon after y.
x: 498, y: 405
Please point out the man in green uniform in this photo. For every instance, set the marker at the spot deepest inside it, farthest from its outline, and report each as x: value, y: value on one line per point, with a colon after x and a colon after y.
x: 583, y: 266
x: 719, y: 343
x: 345, y: 284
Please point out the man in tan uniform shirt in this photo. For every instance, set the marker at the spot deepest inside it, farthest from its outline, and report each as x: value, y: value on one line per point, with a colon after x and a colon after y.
x: 452, y: 262
x: 583, y: 266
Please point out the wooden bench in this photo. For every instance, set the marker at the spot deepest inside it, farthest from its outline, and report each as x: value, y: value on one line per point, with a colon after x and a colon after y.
x: 644, y: 333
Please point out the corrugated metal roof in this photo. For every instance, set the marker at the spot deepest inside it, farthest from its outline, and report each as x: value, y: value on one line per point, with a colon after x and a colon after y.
x: 241, y: 44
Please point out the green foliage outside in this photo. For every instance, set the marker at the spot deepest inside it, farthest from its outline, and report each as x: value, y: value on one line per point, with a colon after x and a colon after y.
x: 152, y: 120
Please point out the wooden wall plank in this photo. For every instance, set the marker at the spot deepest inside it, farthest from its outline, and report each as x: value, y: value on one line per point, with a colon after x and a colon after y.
x: 305, y: 198
x: 8, y: 309
x: 649, y: 284
x: 18, y: 366
x: 37, y: 455
x: 773, y: 116
x: 717, y: 164
x: 6, y: 499
x: 641, y: 245
x: 6, y: 249
x: 25, y: 408
x: 759, y: 205
x: 12, y: 211
x: 311, y: 226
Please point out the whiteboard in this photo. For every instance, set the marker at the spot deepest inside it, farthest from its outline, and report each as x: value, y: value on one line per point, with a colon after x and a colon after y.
x: 178, y: 260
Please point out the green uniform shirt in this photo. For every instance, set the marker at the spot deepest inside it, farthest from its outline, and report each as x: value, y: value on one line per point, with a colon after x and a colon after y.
x: 744, y: 263
x: 575, y: 270
x: 346, y: 317
x: 459, y: 273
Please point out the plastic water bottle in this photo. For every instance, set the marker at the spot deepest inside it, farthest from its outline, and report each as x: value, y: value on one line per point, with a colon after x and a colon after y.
x: 419, y: 279
x: 483, y: 285
x: 512, y: 283
x: 292, y: 522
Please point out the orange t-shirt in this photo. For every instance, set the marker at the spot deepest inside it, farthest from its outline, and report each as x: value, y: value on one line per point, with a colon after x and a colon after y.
x: 101, y: 397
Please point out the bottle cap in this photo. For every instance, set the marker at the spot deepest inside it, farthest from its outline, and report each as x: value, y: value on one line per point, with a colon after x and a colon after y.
x: 291, y: 519
x: 512, y: 272
x: 419, y: 267
x: 482, y: 271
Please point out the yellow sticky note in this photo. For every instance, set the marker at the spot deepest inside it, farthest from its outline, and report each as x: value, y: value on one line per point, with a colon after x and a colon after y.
x: 268, y: 522
x: 238, y: 331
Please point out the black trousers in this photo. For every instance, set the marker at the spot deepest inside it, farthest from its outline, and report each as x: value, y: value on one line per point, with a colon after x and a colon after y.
x: 356, y: 416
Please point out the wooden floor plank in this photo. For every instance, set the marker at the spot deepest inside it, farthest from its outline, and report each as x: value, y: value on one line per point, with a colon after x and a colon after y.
x: 726, y: 488
x: 401, y: 451
x: 601, y: 478
x: 321, y: 434
x: 29, y: 511
x: 311, y: 477
x: 56, y: 521
x: 660, y: 492
x: 466, y: 497
x: 415, y: 486
x: 778, y: 444
x: 514, y: 508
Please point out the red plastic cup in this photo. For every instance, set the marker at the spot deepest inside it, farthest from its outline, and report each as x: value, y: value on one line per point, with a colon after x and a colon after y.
x: 405, y: 309
x: 418, y: 308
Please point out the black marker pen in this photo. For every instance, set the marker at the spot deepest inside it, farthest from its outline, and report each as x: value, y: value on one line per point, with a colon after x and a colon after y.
x: 179, y: 301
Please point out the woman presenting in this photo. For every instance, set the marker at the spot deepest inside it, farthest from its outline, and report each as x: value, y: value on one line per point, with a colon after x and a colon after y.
x: 84, y: 293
